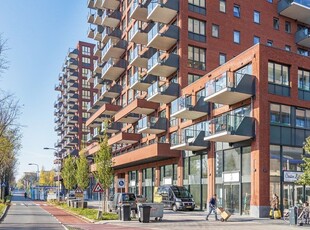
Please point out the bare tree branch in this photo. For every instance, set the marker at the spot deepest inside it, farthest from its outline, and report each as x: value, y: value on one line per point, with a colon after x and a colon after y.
x: 4, y: 63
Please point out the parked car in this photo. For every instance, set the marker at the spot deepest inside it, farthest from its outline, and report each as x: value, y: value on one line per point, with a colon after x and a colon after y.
x: 122, y: 198
x: 175, y: 197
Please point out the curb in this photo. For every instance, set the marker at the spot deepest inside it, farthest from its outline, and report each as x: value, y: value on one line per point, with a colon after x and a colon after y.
x: 5, y: 212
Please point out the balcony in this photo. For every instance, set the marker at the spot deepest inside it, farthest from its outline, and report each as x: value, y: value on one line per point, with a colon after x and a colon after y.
x: 111, y: 18
x: 145, y: 154
x: 138, y: 106
x: 163, y: 94
x: 113, y: 127
x: 129, y: 118
x: 111, y: 91
x: 90, y: 108
x: 105, y: 110
x: 98, y: 18
x: 72, y: 75
x: 124, y: 138
x: 98, y: 33
x: 72, y: 87
x: 99, y: 101
x: 138, y: 11
x: 230, y: 128
x: 141, y: 83
x: 296, y: 9
x: 72, y: 64
x: 163, y: 67
x: 152, y: 125
x: 113, y: 49
x: 110, y: 4
x: 140, y: 60
x: 111, y: 33
x: 190, y: 140
x: 72, y: 98
x: 137, y: 34
x: 184, y: 108
x: 227, y: 91
x: 91, y: 32
x: 302, y: 37
x: 91, y: 4
x: 98, y: 66
x: 90, y: 17
x: 162, y: 38
x: 162, y: 12
x: 98, y: 49
x: 73, y: 53
x: 113, y: 69
x: 72, y: 120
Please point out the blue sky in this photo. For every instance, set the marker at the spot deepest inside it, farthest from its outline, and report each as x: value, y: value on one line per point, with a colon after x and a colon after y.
x: 39, y: 34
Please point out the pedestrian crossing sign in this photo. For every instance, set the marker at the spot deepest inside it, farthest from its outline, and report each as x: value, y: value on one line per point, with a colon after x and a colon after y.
x: 98, y: 188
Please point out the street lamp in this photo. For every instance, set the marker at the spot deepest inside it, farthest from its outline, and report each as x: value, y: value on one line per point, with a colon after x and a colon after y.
x: 37, y: 170
x: 58, y: 170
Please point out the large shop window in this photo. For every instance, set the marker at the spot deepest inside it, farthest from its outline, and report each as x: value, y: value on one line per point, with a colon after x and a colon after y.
x: 278, y: 78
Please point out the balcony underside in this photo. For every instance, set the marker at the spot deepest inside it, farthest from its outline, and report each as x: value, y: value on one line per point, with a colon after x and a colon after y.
x: 98, y: 36
x: 128, y: 119
x: 110, y: 22
x: 162, y: 70
x: 226, y: 136
x: 151, y: 130
x: 227, y: 97
x: 113, y: 52
x: 161, y: 42
x: 305, y: 42
x: 91, y: 34
x: 110, y: 4
x: 139, y: 38
x: 162, y: 98
x: 110, y: 94
x: 91, y: 18
x: 161, y: 14
x: 188, y: 147
x: 150, y: 153
x: 113, y: 73
x: 140, y: 86
x: 139, y: 61
x: 296, y: 11
x: 140, y: 14
x: 124, y: 138
x: 106, y: 110
x: 188, y: 114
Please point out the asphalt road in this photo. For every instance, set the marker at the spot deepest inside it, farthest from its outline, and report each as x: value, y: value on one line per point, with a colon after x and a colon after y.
x: 25, y: 214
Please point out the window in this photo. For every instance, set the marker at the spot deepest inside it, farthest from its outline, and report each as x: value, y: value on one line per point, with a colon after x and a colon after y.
x: 236, y: 36
x: 85, y: 60
x: 192, y: 78
x: 223, y: 6
x: 222, y: 58
x: 276, y: 23
x: 300, y: 120
x: 196, y: 58
x: 278, y: 74
x: 85, y: 50
x: 85, y: 72
x: 287, y: 27
x: 269, y: 42
x: 256, y: 40
x: 303, y: 52
x: 215, y: 30
x: 196, y: 30
x: 256, y: 17
x: 197, y: 6
x: 280, y: 114
x: 304, y: 80
x: 287, y: 48
x: 237, y: 11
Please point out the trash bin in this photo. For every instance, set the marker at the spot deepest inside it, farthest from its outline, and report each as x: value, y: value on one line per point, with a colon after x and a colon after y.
x: 293, y: 215
x: 145, y: 213
x: 124, y: 213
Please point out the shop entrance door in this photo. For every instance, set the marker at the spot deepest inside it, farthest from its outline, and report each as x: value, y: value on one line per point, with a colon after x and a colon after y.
x: 231, y: 199
x: 292, y: 195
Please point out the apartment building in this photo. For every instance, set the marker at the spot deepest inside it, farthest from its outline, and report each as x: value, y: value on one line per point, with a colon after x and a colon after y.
x: 211, y: 95
x: 75, y: 93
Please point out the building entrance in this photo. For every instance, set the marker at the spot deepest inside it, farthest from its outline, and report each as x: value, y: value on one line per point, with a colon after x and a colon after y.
x: 231, y: 198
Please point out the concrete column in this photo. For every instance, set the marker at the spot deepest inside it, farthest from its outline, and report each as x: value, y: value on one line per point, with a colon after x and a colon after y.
x: 180, y: 171
x: 140, y: 181
x: 157, y: 176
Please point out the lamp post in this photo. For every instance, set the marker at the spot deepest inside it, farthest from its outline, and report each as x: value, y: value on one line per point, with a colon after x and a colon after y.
x: 58, y: 170
x: 37, y: 170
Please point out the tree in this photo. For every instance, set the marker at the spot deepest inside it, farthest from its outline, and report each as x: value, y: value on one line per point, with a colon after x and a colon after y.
x: 103, y: 161
x: 3, y: 59
x: 46, y: 177
x: 304, y: 179
x: 68, y: 172
x: 82, y: 173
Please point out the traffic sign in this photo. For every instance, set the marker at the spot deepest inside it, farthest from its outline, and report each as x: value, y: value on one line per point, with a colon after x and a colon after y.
x: 98, y: 188
x: 78, y: 190
x: 121, y: 182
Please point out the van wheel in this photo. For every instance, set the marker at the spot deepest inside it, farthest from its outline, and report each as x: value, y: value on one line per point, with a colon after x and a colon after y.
x: 174, y: 208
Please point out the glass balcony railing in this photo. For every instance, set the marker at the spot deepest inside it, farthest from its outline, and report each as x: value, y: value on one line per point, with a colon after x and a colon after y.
x: 180, y: 104
x: 155, y: 88
x: 154, y: 31
x: 185, y: 137
x: 216, y: 85
x: 154, y: 60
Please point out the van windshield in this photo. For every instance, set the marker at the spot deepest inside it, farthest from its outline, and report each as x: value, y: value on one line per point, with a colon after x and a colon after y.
x: 181, y: 192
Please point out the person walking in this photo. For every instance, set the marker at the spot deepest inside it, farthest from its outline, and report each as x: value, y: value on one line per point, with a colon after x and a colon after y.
x: 212, y: 207
x: 274, y: 204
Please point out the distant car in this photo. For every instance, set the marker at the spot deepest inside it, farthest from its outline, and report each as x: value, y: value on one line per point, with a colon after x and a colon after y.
x: 70, y: 196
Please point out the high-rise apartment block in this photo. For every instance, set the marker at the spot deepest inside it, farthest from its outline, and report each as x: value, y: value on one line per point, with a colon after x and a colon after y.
x: 212, y: 95
x: 75, y: 93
